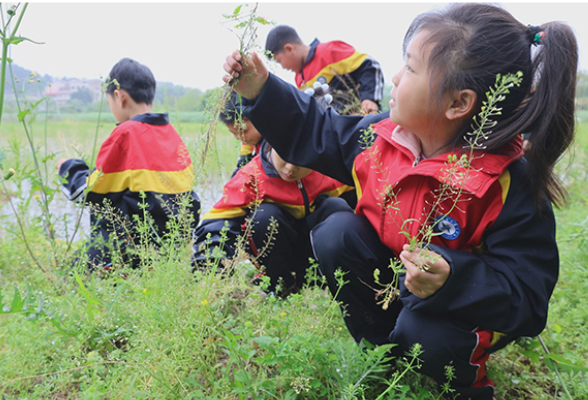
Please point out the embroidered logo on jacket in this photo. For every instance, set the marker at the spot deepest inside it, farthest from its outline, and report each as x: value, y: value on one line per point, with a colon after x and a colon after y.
x: 447, y: 227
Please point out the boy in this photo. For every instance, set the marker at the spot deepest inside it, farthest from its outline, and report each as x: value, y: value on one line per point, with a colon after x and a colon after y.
x: 269, y: 189
x: 335, y: 63
x: 142, y: 169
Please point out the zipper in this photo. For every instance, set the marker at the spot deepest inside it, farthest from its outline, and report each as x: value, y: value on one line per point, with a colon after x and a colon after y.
x: 304, y: 197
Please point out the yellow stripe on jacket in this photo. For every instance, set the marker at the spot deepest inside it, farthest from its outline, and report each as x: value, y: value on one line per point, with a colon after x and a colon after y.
x: 164, y: 182
x: 297, y: 211
x: 342, y: 67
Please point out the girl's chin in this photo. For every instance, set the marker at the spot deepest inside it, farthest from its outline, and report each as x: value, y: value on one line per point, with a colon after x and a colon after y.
x: 393, y: 118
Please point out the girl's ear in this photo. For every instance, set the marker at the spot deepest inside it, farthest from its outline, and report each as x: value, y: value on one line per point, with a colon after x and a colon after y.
x: 462, y: 104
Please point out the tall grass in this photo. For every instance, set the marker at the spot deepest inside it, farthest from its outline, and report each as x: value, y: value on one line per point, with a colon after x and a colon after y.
x: 160, y: 333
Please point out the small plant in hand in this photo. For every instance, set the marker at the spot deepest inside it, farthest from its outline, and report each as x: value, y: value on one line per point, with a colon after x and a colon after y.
x: 244, y: 22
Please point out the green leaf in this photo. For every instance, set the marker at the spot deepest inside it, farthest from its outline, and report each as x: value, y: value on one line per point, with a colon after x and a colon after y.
x: 565, y: 364
x: 14, y: 40
x: 17, y: 302
x: 531, y: 355
x: 237, y: 10
x: 92, y: 302
x: 267, y: 342
x: 34, y: 105
x: 23, y: 114
x: 19, y: 39
x: 48, y: 158
x: 243, y: 377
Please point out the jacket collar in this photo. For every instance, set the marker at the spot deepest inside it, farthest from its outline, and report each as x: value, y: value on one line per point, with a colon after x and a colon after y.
x: 485, y: 167
x: 152, y: 118
x: 311, y: 52
x: 266, y: 160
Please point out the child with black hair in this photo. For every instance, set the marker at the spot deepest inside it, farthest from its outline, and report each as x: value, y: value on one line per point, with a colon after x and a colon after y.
x: 275, y: 205
x: 335, y: 63
x: 242, y: 129
x: 143, y: 169
x: 486, y: 271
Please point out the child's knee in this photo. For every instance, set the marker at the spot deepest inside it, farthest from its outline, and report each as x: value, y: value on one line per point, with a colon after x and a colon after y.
x: 330, y: 236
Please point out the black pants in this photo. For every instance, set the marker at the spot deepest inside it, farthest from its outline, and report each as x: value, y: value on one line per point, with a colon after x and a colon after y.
x: 285, y: 250
x: 99, y: 253
x: 348, y: 242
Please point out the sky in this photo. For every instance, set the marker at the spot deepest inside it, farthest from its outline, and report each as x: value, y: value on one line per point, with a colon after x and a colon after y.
x: 186, y: 43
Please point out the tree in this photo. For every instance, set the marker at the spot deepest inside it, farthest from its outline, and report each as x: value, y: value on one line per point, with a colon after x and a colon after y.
x: 190, y: 101
x: 84, y: 95
x: 80, y: 101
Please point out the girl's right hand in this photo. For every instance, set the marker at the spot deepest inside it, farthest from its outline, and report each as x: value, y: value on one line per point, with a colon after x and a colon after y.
x: 251, y: 72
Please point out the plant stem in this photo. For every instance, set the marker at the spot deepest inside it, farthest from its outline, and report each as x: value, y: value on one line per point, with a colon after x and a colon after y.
x: 5, y: 45
x: 21, y: 227
x: 555, y: 368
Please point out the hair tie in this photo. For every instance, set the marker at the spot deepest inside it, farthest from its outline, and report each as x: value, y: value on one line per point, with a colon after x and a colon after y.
x: 535, y: 34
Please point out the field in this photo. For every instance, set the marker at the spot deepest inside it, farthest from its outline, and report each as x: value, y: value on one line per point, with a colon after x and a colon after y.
x: 160, y: 333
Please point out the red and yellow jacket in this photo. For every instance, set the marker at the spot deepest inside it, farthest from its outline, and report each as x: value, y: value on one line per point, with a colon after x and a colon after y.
x: 501, y: 249
x: 142, y: 155
x: 259, y: 182
x: 328, y: 60
x: 246, y: 154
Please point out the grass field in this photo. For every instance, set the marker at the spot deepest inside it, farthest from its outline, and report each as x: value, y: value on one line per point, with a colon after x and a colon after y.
x: 161, y: 334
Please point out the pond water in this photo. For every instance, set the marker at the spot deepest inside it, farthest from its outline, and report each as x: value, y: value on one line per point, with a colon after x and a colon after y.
x: 69, y: 218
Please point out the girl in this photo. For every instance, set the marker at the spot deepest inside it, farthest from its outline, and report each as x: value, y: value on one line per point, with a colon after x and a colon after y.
x: 489, y: 261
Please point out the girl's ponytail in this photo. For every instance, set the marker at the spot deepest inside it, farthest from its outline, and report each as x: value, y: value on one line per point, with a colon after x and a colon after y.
x: 550, y: 110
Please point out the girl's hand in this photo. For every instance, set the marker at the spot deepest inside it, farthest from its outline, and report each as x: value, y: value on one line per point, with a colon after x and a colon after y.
x: 432, y: 274
x: 248, y: 76
x: 369, y: 106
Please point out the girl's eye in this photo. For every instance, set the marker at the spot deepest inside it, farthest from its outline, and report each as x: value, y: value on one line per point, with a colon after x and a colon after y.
x: 408, y: 68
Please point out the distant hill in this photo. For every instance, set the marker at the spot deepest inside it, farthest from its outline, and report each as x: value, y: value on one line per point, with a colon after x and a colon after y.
x: 32, y: 85
x: 35, y: 86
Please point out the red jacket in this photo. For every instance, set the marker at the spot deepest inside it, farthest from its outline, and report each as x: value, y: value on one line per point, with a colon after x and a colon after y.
x: 397, y: 191
x: 327, y: 60
x: 258, y: 182
x: 144, y: 160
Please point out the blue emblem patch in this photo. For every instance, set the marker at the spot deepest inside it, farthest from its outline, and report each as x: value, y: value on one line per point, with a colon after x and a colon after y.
x: 321, y: 79
x: 447, y: 227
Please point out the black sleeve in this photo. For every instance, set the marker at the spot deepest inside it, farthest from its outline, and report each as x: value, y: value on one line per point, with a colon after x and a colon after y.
x: 74, y: 172
x: 241, y: 162
x: 215, y: 239
x: 370, y: 77
x: 304, y: 134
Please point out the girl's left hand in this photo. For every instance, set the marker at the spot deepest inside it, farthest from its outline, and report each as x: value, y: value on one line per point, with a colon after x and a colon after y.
x: 426, y: 271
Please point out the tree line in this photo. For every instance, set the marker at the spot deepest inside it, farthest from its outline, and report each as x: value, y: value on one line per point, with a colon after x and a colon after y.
x: 167, y: 97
